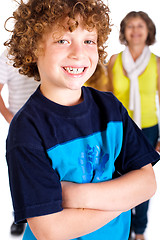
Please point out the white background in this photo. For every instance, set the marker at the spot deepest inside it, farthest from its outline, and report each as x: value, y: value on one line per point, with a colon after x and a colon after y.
x: 118, y: 11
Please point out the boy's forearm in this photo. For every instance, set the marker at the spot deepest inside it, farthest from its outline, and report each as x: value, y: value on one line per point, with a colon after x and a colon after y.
x: 120, y: 194
x: 69, y: 223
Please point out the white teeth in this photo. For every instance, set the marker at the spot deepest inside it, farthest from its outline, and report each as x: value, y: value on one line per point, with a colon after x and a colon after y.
x: 74, y: 70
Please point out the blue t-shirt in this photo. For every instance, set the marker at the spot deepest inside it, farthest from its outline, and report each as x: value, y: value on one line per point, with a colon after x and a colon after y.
x: 88, y: 142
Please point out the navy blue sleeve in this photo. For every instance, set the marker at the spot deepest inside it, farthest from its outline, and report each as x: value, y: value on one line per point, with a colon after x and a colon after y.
x: 35, y: 186
x: 136, y: 150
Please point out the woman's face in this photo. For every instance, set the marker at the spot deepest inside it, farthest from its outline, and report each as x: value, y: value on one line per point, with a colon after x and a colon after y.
x: 136, y: 31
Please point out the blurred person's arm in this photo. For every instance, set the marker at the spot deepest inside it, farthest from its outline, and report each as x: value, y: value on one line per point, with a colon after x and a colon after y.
x: 3, y: 109
x: 158, y: 87
x: 110, y: 75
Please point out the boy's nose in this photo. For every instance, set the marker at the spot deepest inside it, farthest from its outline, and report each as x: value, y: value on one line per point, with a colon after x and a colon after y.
x: 76, y: 51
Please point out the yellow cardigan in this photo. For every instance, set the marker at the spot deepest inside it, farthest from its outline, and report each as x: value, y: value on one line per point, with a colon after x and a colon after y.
x: 147, y: 88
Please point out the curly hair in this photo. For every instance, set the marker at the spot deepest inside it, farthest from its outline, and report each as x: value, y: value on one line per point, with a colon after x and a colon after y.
x: 150, y: 25
x: 34, y: 18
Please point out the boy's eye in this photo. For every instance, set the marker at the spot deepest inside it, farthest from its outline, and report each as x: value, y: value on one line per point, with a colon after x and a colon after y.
x: 89, y: 42
x: 62, y: 41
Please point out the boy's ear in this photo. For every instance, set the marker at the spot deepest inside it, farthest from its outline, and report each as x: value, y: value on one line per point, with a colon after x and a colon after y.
x: 38, y: 52
x: 34, y: 60
x: 34, y: 57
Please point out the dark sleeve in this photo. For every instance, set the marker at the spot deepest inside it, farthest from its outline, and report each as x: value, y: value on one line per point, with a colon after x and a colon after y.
x: 136, y: 150
x: 35, y: 186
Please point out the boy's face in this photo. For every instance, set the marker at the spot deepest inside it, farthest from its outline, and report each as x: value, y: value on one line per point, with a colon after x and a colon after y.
x: 69, y: 59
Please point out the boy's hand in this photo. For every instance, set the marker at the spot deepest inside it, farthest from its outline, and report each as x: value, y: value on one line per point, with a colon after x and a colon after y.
x: 132, y: 189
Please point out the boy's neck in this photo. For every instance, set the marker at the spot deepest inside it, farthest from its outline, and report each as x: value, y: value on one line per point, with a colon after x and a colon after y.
x: 65, y: 98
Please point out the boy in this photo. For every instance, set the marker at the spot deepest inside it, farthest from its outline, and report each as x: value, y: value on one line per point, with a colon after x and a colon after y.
x: 72, y: 136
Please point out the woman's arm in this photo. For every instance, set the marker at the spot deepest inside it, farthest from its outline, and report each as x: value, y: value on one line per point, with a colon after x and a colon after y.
x: 120, y: 194
x: 158, y: 87
x: 158, y: 80
x: 69, y: 223
x: 109, y: 69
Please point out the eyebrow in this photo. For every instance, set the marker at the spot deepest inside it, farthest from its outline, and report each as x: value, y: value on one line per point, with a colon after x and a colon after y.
x: 92, y: 34
x: 88, y: 34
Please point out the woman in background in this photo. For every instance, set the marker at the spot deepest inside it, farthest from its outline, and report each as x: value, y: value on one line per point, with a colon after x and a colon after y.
x: 134, y: 78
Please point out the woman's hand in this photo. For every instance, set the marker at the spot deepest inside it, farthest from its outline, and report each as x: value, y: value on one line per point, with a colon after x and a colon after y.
x: 158, y: 147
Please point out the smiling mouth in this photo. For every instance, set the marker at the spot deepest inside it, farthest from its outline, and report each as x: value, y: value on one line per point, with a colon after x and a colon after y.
x: 73, y: 70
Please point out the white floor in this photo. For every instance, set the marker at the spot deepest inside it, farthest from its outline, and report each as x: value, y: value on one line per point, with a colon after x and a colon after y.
x: 152, y: 232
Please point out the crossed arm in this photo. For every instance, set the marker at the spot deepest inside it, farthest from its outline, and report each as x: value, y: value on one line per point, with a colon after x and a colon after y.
x: 87, y: 207
x: 120, y: 194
